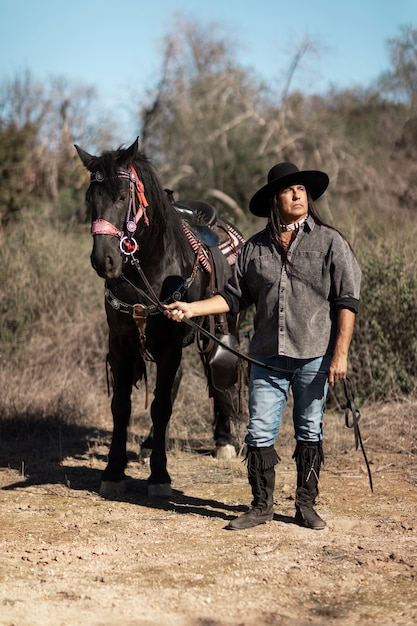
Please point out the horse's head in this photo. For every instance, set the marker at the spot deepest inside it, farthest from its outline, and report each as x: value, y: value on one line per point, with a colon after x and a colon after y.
x: 117, y: 202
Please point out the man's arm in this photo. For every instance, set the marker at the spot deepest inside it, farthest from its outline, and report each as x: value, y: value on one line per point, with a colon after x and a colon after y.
x: 211, y: 306
x: 345, y: 325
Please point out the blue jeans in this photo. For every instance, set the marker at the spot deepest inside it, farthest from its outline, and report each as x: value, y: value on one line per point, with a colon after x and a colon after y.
x: 268, y: 395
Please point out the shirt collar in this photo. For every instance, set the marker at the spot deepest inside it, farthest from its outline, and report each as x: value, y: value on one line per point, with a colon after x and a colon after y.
x: 310, y: 223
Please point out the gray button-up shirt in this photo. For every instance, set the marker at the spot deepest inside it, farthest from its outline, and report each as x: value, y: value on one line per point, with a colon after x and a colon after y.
x: 296, y: 303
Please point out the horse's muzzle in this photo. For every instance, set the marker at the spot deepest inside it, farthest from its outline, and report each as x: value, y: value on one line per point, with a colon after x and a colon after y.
x: 107, y: 263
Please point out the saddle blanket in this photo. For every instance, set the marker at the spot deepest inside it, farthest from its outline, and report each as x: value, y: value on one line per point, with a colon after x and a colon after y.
x: 229, y: 246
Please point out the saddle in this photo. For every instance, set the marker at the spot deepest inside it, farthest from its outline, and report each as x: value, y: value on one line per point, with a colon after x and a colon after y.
x: 221, y: 242
x: 203, y: 225
x: 202, y: 218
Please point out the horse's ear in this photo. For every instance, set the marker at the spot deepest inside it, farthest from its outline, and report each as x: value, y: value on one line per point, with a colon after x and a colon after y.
x: 132, y: 151
x: 86, y: 158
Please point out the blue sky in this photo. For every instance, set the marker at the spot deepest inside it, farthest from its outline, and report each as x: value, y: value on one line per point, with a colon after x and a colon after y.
x: 115, y: 46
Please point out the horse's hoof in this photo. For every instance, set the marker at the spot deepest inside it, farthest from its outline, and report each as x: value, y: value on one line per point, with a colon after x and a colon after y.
x: 109, y: 489
x: 225, y: 452
x: 145, y: 455
x: 160, y: 490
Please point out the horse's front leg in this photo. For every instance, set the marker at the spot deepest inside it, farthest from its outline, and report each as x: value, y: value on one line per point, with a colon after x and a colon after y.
x: 159, y: 482
x: 147, y: 444
x: 113, y: 480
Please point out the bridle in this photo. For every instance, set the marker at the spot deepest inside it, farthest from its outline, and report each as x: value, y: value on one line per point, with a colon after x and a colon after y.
x: 136, y: 211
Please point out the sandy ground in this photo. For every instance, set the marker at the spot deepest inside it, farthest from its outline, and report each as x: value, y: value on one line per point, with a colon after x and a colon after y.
x: 70, y: 557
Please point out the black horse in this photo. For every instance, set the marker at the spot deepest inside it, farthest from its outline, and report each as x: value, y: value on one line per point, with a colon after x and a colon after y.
x: 148, y: 254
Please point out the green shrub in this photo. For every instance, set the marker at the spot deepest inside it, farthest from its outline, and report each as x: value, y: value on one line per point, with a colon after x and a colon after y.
x: 384, y: 347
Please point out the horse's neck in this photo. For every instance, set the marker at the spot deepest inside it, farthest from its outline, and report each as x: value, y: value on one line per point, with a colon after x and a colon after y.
x: 163, y: 249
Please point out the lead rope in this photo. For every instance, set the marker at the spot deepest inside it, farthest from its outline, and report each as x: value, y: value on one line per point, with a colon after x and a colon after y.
x: 351, y: 409
x: 348, y: 387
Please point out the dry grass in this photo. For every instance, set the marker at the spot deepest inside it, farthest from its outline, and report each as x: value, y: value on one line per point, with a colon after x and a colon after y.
x: 52, y: 367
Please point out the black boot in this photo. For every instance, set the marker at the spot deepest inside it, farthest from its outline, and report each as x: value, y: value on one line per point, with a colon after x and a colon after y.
x: 309, y: 458
x: 261, y: 475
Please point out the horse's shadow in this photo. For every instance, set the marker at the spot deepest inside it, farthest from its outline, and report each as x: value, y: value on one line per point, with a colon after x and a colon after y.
x: 178, y: 502
x: 184, y: 504
x: 36, y: 448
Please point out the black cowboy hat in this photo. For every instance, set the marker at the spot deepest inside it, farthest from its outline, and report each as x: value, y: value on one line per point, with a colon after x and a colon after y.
x: 284, y: 175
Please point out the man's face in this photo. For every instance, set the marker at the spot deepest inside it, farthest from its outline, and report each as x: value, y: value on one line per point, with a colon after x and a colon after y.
x: 292, y: 203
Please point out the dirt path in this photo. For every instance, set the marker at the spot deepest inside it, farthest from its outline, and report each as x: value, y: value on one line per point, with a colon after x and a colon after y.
x: 69, y: 557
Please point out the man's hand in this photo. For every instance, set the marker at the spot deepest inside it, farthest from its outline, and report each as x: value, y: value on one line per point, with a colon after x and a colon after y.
x: 178, y: 310
x: 337, y: 369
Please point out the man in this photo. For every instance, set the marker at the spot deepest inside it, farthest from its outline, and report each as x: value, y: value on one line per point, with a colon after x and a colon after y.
x: 304, y: 281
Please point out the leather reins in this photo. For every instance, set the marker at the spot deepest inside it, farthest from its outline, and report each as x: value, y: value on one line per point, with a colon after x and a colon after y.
x: 129, y: 246
x: 352, y: 414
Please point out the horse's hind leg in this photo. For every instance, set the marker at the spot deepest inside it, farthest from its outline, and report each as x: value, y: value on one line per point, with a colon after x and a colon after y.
x: 224, y: 415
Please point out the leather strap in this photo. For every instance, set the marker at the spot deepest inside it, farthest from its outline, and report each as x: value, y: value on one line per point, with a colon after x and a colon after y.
x: 352, y: 411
